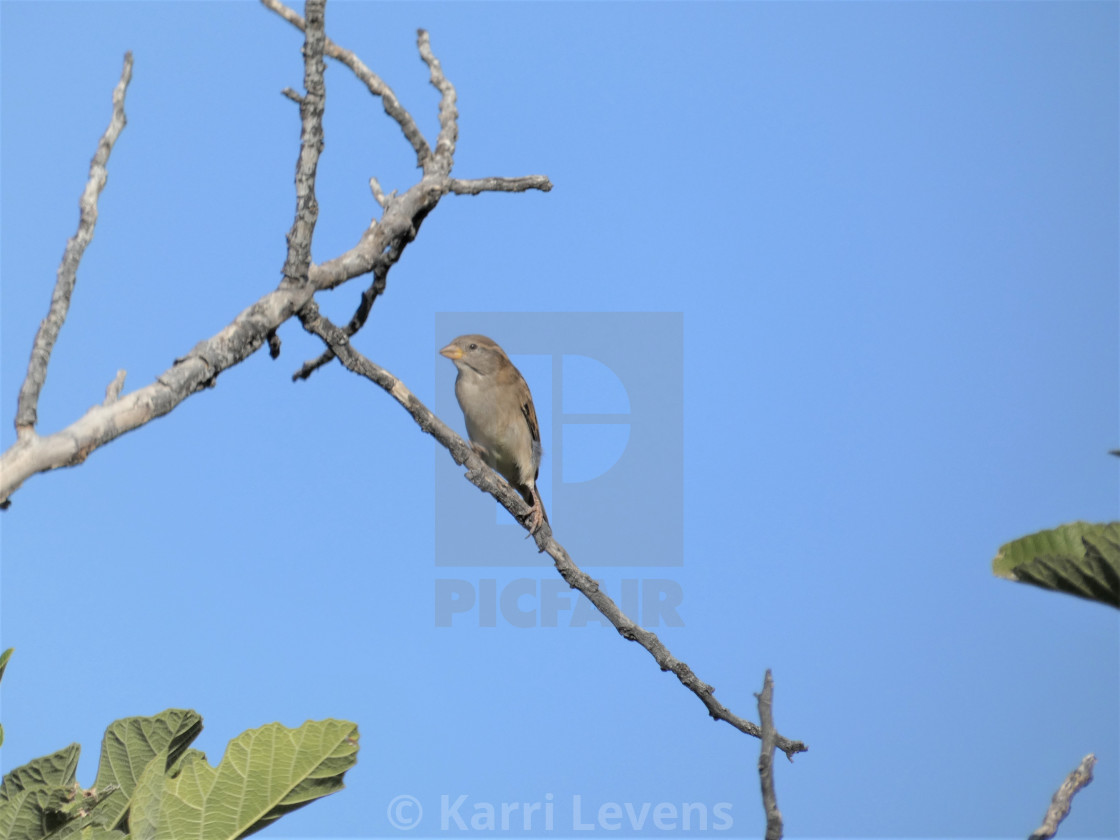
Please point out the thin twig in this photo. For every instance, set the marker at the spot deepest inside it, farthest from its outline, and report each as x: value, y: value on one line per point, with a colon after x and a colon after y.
x: 361, y: 314
x: 371, y: 80
x: 475, y: 186
x: 378, y: 194
x: 1063, y: 797
x: 298, y: 262
x: 448, y: 113
x: 766, y: 759
x: 357, y: 321
x: 487, y: 480
x: 27, y: 412
x: 113, y: 391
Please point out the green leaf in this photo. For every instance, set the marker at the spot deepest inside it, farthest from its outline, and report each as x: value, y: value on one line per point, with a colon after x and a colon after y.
x: 34, y: 797
x: 185, y: 759
x: 128, y: 747
x: 96, y: 832
x: 1081, y: 558
x: 26, y: 816
x: 4, y: 657
x: 264, y: 774
x: 80, y: 813
x: 3, y: 663
x: 54, y: 771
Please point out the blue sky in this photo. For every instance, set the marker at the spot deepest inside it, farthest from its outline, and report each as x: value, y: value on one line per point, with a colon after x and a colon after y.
x: 886, y: 238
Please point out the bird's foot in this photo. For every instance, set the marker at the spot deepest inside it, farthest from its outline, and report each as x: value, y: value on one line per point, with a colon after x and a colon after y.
x: 534, y: 520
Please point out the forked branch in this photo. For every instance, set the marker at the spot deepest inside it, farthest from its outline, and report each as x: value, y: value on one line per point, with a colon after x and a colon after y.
x: 378, y: 248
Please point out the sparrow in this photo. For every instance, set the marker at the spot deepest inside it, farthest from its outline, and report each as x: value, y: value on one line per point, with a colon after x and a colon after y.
x: 500, y: 417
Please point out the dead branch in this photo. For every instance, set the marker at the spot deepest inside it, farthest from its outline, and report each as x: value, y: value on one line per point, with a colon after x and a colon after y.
x: 479, y: 185
x: 298, y: 262
x: 378, y: 248
x: 371, y: 80
x: 1063, y: 798
x: 766, y: 759
x: 27, y: 412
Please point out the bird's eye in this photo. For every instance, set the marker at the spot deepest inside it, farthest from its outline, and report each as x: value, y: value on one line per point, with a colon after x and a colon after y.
x: 472, y: 347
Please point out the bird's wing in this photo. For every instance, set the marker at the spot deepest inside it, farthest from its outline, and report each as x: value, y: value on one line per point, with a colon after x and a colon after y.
x: 530, y: 414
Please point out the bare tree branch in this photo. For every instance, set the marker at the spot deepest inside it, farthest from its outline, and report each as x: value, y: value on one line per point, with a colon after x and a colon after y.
x: 365, y: 306
x: 448, y: 113
x: 297, y: 265
x: 1063, y: 797
x: 487, y: 480
x: 437, y: 168
x: 27, y: 412
x: 479, y: 185
x: 370, y: 79
x: 379, y: 247
x: 766, y: 759
x: 378, y: 195
x: 437, y: 164
x: 113, y: 391
x: 377, y: 250
x: 195, y: 372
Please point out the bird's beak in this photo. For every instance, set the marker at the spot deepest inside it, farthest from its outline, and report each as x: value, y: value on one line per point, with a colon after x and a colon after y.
x: 452, y: 351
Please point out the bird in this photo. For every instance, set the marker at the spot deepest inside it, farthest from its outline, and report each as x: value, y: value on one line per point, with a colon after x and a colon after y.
x: 500, y: 417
